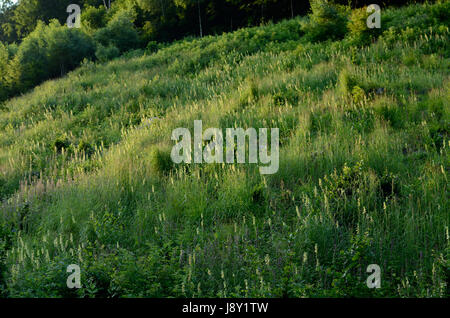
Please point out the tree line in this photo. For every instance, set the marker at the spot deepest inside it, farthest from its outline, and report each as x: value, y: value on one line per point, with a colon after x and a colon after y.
x: 157, y: 20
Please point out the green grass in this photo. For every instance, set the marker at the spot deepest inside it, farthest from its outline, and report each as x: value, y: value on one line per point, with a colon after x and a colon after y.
x: 86, y: 179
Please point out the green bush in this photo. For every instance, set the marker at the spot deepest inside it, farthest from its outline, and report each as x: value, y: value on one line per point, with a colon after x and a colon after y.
x: 160, y: 160
x: 119, y: 32
x: 93, y: 18
x: 49, y: 51
x: 360, y: 119
x: 358, y: 94
x: 391, y: 113
x: 440, y: 11
x: 152, y: 47
x: 4, y: 60
x: 60, y: 144
x: 326, y: 22
x: 359, y: 33
x: 104, y: 54
x: 346, y: 82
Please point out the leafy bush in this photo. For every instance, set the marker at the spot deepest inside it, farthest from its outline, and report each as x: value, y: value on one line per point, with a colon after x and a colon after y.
x: 93, y: 18
x: 104, y: 54
x: 4, y: 60
x: 60, y: 144
x: 152, y: 47
x: 49, y: 51
x: 341, y: 188
x: 346, y: 82
x: 440, y: 11
x: 119, y: 32
x: 390, y: 112
x: 326, y: 22
x: 349, y: 281
x: 160, y: 160
x: 359, y: 33
x: 358, y: 94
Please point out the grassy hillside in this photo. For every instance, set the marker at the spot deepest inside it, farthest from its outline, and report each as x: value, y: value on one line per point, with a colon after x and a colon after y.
x: 86, y: 177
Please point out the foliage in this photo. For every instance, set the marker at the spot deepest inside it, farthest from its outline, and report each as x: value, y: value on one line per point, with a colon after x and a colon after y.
x: 359, y: 33
x: 326, y: 21
x: 104, y: 54
x: 119, y: 32
x: 93, y: 18
x: 87, y: 179
x: 49, y: 51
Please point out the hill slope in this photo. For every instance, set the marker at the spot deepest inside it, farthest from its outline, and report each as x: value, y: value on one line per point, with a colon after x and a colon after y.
x: 86, y: 176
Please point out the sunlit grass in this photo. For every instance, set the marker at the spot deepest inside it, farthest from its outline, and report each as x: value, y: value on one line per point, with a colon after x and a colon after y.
x: 362, y: 179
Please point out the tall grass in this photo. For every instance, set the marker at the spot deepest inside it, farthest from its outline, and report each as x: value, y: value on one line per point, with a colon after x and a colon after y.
x: 85, y: 175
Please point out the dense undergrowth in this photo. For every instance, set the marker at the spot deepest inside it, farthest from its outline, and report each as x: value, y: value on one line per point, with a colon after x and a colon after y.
x: 86, y: 177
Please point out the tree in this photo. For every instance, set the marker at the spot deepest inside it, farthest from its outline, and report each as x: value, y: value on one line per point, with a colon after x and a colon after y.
x: 7, y: 30
x: 107, y: 4
x: 119, y: 32
x: 49, y: 51
x: 4, y: 59
x: 93, y: 18
x: 189, y: 5
x: 326, y: 22
x: 26, y: 14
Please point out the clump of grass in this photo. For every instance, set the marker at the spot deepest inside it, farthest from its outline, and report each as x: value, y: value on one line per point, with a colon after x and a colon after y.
x: 346, y: 82
x: 160, y: 160
x: 61, y: 143
x: 320, y: 121
x: 360, y: 119
x: 389, y: 111
x: 250, y: 94
x: 85, y: 147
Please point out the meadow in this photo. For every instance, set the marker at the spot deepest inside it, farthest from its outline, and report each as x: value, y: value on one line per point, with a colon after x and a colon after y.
x: 86, y: 176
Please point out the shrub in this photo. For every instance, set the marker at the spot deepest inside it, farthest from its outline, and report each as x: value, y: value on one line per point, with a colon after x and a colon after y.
x: 359, y: 33
x: 119, y: 32
x: 346, y: 82
x: 85, y: 147
x: 152, y: 46
x: 439, y: 11
x: 250, y: 94
x: 4, y: 60
x: 326, y: 22
x: 93, y: 18
x: 61, y: 143
x: 340, y: 187
x: 49, y: 51
x: 358, y: 94
x: 160, y: 160
x: 66, y: 48
x: 391, y: 113
x: 104, y: 54
x: 410, y: 58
